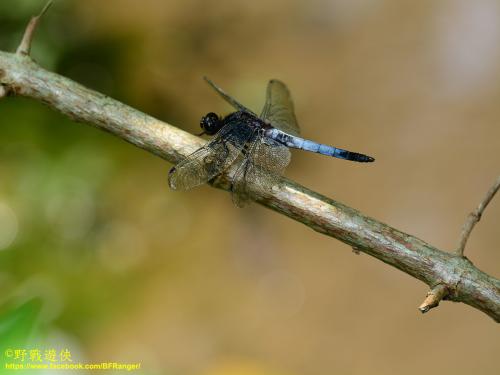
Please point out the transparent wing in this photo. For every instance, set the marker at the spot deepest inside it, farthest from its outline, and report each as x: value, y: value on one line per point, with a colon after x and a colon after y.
x: 240, y: 191
x: 278, y: 109
x: 227, y: 98
x: 211, y: 159
x: 260, y: 170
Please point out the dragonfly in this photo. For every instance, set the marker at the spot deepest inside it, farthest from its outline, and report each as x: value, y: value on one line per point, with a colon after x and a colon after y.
x: 255, y: 147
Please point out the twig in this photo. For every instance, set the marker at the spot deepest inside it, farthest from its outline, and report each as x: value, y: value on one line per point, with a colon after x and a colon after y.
x: 434, y: 296
x: 474, y: 217
x: 25, y: 45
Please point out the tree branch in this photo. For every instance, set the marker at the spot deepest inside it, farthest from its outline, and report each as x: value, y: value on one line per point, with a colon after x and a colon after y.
x: 475, y: 216
x: 462, y: 281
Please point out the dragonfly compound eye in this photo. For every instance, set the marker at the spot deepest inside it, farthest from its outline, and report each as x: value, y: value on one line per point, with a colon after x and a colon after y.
x: 210, y: 123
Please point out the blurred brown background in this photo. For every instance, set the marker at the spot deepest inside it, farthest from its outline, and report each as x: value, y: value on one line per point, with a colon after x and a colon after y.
x: 186, y: 283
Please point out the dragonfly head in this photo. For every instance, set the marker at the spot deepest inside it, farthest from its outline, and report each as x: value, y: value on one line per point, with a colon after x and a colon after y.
x: 211, y: 123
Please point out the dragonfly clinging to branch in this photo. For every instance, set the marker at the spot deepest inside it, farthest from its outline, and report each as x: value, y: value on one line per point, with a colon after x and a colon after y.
x: 258, y: 146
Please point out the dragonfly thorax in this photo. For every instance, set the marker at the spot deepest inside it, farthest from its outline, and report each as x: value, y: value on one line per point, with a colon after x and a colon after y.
x: 211, y: 123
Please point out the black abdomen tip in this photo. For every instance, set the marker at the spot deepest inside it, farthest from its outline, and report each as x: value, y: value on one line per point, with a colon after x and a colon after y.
x: 360, y: 158
x: 368, y: 159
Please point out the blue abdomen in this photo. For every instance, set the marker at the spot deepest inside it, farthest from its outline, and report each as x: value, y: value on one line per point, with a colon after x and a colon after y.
x: 306, y: 145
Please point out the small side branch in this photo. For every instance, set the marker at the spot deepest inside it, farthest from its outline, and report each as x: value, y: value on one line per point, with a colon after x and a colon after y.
x: 25, y: 45
x: 434, y: 296
x: 475, y: 216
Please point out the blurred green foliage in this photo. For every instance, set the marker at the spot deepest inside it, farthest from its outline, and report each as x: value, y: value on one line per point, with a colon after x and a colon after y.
x: 18, y: 324
x: 53, y: 173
